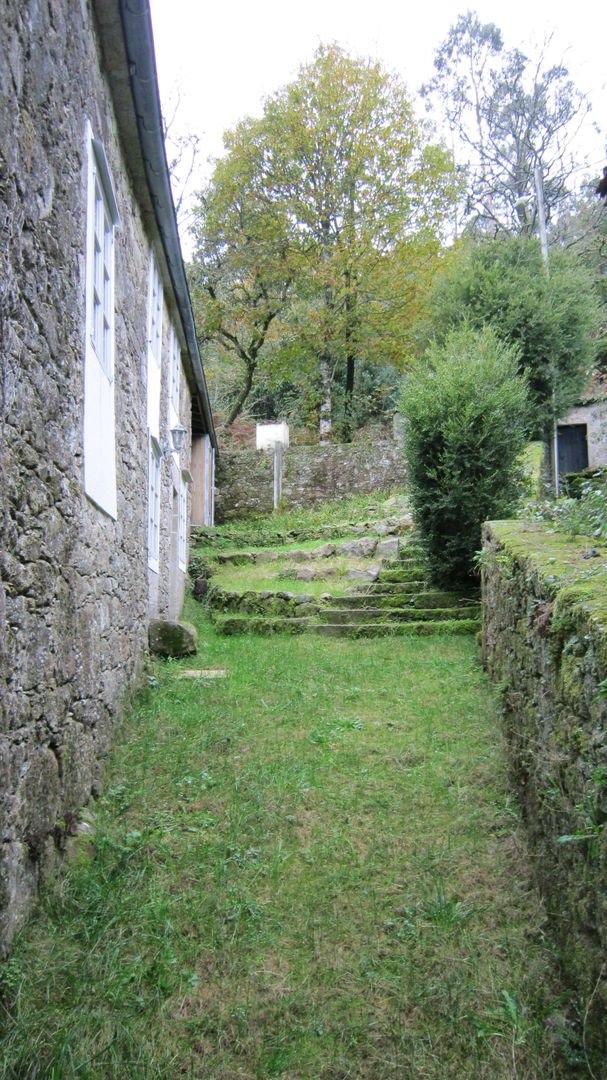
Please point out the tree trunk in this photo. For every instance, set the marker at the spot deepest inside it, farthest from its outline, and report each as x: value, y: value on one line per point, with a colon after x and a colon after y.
x: 325, y: 398
x: 243, y: 395
x: 350, y: 363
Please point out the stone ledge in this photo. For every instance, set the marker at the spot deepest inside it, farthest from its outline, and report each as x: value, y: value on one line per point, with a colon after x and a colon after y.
x: 545, y: 644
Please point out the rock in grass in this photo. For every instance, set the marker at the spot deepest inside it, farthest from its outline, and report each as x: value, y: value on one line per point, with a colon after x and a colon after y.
x: 167, y: 637
x: 387, y: 549
x: 362, y: 548
x: 371, y: 574
x: 201, y: 588
x: 305, y: 573
x: 323, y: 552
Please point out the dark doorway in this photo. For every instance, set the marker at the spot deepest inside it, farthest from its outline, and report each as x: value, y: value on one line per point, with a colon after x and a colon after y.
x: 573, y: 448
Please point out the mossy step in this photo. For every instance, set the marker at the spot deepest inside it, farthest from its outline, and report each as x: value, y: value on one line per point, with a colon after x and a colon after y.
x: 400, y: 576
x: 428, y: 598
x: 255, y: 624
x: 386, y: 629
x: 344, y: 616
x: 392, y: 588
x: 235, y: 558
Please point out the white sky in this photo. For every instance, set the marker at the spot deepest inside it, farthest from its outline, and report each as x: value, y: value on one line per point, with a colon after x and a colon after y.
x: 224, y: 57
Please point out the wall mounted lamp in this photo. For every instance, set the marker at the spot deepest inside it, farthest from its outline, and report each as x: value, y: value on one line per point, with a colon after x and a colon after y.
x: 177, y: 442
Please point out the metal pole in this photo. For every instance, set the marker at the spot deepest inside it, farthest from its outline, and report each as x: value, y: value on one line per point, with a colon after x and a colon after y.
x: 277, y: 473
x: 541, y: 210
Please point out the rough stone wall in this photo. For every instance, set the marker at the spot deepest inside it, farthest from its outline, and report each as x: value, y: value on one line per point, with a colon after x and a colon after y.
x: 73, y: 590
x: 245, y: 478
x: 545, y: 644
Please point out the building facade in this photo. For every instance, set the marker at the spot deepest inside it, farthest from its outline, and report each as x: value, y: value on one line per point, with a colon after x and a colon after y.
x: 106, y: 435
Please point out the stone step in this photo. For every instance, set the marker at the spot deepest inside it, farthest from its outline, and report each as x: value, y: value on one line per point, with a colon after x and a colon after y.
x: 429, y: 598
x: 257, y: 624
x: 345, y: 616
x: 254, y: 624
x: 399, y: 576
x: 392, y: 588
x: 385, y: 629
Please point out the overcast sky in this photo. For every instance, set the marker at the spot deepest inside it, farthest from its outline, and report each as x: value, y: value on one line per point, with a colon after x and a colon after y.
x: 223, y: 58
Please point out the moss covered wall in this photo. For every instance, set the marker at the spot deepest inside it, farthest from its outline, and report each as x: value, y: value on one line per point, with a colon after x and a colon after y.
x: 311, y: 474
x: 545, y: 643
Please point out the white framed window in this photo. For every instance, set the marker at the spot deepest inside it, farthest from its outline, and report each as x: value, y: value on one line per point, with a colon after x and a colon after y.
x: 155, y: 298
x: 209, y: 482
x: 182, y: 536
x: 174, y: 377
x: 99, y: 443
x: 154, y: 460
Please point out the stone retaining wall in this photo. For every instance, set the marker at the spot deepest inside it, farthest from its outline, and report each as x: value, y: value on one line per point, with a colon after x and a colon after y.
x: 311, y: 474
x: 545, y: 643
x: 73, y: 579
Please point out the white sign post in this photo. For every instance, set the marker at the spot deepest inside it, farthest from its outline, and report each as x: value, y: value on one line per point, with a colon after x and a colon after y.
x: 276, y: 436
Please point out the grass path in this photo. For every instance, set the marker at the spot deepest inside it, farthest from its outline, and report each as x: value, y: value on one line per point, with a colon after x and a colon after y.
x: 308, y: 868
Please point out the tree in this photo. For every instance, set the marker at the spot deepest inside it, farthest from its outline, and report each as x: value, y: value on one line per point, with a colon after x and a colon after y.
x: 510, y: 116
x: 348, y: 197
x: 553, y: 321
x: 464, y: 408
x: 244, y: 260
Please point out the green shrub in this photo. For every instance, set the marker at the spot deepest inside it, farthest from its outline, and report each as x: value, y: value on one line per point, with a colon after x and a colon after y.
x: 584, y: 515
x: 465, y: 410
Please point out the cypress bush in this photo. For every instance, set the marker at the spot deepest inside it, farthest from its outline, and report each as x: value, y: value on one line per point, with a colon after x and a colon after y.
x: 465, y: 409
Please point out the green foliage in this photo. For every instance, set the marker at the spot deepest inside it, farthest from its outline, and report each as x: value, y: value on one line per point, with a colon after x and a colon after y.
x: 584, y: 516
x: 319, y: 228
x: 465, y: 415
x: 553, y: 321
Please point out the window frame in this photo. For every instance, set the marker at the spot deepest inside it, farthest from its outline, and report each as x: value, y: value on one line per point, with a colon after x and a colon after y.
x: 174, y: 376
x: 182, y: 528
x: 102, y: 220
x: 154, y: 494
x: 154, y: 350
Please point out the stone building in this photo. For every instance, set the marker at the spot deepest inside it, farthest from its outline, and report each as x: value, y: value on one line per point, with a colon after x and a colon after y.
x: 582, y: 434
x: 101, y: 379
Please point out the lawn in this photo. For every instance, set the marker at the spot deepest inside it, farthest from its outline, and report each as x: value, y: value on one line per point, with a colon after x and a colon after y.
x: 307, y: 865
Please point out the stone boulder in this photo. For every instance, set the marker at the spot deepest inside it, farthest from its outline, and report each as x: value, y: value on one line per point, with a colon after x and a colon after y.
x: 305, y: 573
x: 168, y: 637
x: 371, y: 574
x: 201, y: 588
x: 358, y: 549
x: 387, y: 549
x: 323, y: 552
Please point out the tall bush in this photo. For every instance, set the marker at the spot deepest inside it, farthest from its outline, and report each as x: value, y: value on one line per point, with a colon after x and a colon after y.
x: 465, y: 409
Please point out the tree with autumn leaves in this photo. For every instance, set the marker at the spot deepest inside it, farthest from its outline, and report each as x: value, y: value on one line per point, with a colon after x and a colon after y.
x: 318, y: 232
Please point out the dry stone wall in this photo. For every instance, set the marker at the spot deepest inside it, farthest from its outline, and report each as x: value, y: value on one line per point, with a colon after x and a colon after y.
x: 311, y: 474
x: 73, y: 582
x: 545, y: 643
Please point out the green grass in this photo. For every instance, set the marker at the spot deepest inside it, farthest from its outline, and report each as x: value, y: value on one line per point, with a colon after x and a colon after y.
x: 309, y: 869
x: 277, y: 575
x: 312, y: 522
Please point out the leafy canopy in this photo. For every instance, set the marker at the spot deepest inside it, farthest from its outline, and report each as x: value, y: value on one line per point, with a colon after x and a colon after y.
x: 552, y: 320
x: 318, y: 231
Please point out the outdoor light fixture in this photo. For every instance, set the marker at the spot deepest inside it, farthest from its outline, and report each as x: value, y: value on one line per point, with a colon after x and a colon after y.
x: 178, y: 434
x: 176, y: 443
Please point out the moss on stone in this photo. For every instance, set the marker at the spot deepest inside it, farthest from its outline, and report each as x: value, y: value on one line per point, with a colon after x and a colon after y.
x: 545, y: 643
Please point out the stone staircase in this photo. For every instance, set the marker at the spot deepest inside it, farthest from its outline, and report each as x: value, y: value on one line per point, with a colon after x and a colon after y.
x: 399, y: 602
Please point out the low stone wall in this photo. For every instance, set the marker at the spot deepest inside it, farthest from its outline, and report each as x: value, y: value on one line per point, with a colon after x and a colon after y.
x: 545, y: 643
x: 311, y: 474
